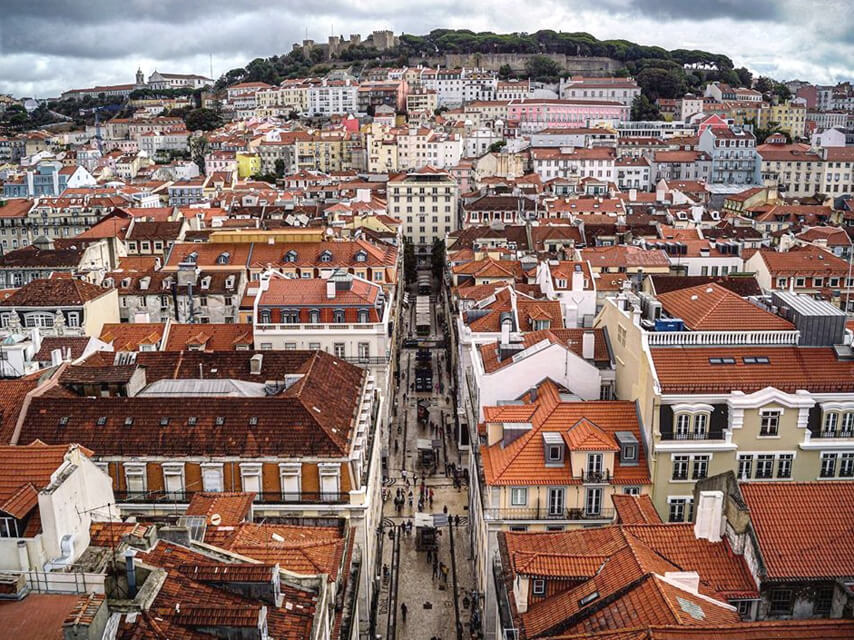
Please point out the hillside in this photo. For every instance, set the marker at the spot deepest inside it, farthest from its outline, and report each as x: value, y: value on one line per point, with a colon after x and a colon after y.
x: 661, y: 73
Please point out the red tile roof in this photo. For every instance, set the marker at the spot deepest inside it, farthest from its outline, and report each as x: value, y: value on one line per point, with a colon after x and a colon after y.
x: 523, y: 461
x: 54, y: 293
x: 789, y: 368
x: 624, y: 256
x: 36, y: 617
x: 131, y: 336
x: 711, y: 307
x: 636, y: 509
x: 804, y: 261
x: 210, y: 337
x: 12, y: 395
x: 764, y: 630
x: 572, y: 339
x: 26, y: 470
x: 231, y: 507
x: 804, y: 529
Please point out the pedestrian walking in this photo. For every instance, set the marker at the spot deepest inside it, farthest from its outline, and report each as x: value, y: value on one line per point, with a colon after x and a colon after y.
x: 403, y: 610
x: 435, y: 567
x: 457, y: 520
x: 444, y: 569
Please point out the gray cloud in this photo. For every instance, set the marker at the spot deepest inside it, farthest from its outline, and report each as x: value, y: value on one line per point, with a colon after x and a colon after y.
x: 48, y: 46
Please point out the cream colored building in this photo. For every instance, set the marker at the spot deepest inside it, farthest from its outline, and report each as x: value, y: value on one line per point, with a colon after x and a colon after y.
x: 790, y: 117
x: 754, y: 402
x: 426, y: 201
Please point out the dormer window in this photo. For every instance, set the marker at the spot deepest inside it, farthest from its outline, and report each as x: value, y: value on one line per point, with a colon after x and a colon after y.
x: 193, y: 257
x: 361, y: 256
x: 206, y: 282
x: 629, y: 447
x: 554, y: 449
x: 338, y: 315
x: 363, y: 316
x: 290, y: 256
x: 229, y: 282
x: 223, y: 258
x: 561, y: 283
x: 540, y: 325
x: 326, y: 256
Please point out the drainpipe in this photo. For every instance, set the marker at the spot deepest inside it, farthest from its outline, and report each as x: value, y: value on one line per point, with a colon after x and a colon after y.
x: 131, y: 572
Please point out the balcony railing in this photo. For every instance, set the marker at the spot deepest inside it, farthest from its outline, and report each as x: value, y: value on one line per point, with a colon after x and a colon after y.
x: 595, y: 476
x: 674, y: 338
x: 368, y: 360
x: 835, y: 433
x: 544, y: 513
x: 693, y: 436
x: 179, y: 497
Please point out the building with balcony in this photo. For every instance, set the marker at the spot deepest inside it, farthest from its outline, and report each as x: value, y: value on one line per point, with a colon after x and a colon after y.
x: 724, y: 384
x: 552, y: 463
x: 426, y: 201
x: 733, y: 155
x: 166, y: 425
x: 59, y: 307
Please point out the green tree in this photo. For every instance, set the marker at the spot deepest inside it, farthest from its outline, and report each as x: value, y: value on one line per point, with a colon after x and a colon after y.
x: 542, y: 69
x: 505, y: 71
x: 497, y: 146
x: 437, y: 258
x: 410, y: 267
x: 644, y: 109
x: 202, y: 119
x: 198, y: 150
x: 745, y: 78
x: 279, y: 167
x: 661, y: 83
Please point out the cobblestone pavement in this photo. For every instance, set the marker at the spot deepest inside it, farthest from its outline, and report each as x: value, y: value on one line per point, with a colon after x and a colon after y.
x: 429, y: 599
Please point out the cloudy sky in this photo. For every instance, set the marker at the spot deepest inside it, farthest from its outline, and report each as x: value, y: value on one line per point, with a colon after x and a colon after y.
x: 48, y: 46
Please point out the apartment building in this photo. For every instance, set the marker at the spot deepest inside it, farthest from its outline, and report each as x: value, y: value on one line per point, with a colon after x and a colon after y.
x: 331, y: 97
x: 579, y: 88
x: 426, y: 200
x: 767, y: 397
x: 600, y: 163
x: 733, y: 153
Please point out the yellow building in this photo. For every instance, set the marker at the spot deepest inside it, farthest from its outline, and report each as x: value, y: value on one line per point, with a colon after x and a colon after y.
x: 248, y: 164
x: 790, y: 117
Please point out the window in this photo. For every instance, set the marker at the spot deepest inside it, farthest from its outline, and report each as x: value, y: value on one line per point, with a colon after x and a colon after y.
x: 769, y: 423
x: 828, y: 465
x: 338, y: 316
x: 846, y: 465
x: 74, y: 319
x: 847, y: 425
x: 784, y: 465
x: 556, y: 502
x: 701, y: 420
x: 677, y: 509
x: 594, y: 466
x: 744, y: 607
x: 250, y: 477
x: 683, y: 426
x: 135, y: 480
x: 364, y: 351
x: 519, y: 496
x: 329, y: 481
x: 539, y: 587
x: 781, y: 602
x: 764, y: 466
x: 173, y: 480
x: 593, y: 502
x: 823, y: 601
x: 554, y: 453
x: 701, y: 467
x: 338, y: 349
x: 212, y: 477
x: 831, y: 419
x: 290, y: 476
x: 745, y: 467
x: 680, y: 467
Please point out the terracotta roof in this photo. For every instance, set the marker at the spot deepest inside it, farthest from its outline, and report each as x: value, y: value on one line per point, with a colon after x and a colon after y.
x: 128, y: 336
x: 764, y: 630
x: 232, y: 507
x: 635, y: 509
x: 24, y: 471
x: 12, y: 395
x: 73, y: 345
x: 711, y: 307
x: 183, y: 604
x: 210, y: 337
x: 624, y: 256
x: 488, y: 318
x: 39, y: 616
x: 54, y: 293
x: 742, y: 285
x: 32, y: 256
x: 302, y: 420
x: 523, y: 461
x: 110, y: 534
x: 804, y: 529
x: 788, y: 369
x: 302, y: 549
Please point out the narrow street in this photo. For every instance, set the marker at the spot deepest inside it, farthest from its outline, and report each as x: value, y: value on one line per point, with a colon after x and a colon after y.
x: 432, y: 587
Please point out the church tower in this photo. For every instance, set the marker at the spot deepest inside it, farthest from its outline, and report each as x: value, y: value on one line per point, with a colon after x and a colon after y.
x: 140, y: 79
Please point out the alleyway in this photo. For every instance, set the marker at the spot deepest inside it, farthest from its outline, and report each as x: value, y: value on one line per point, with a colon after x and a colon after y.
x: 428, y: 594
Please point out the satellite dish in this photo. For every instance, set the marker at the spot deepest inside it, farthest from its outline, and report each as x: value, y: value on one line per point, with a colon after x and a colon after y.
x: 277, y: 537
x: 216, y: 519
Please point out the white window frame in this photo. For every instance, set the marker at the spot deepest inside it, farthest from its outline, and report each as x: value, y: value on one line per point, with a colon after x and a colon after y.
x: 207, y: 468
x: 173, y: 470
x: 515, y: 492
x: 251, y: 470
x: 288, y: 472
x: 327, y: 470
x: 136, y: 469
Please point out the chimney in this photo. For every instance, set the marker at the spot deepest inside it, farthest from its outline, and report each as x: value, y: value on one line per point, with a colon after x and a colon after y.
x: 506, y: 324
x: 330, y: 289
x: 578, y: 278
x: 710, y: 516
x: 131, y: 572
x: 255, y: 363
x: 588, y: 341
x: 532, y: 393
x: 633, y: 195
x: 686, y: 580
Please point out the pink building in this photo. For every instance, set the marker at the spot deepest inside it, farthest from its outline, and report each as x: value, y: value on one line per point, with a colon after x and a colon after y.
x: 538, y: 114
